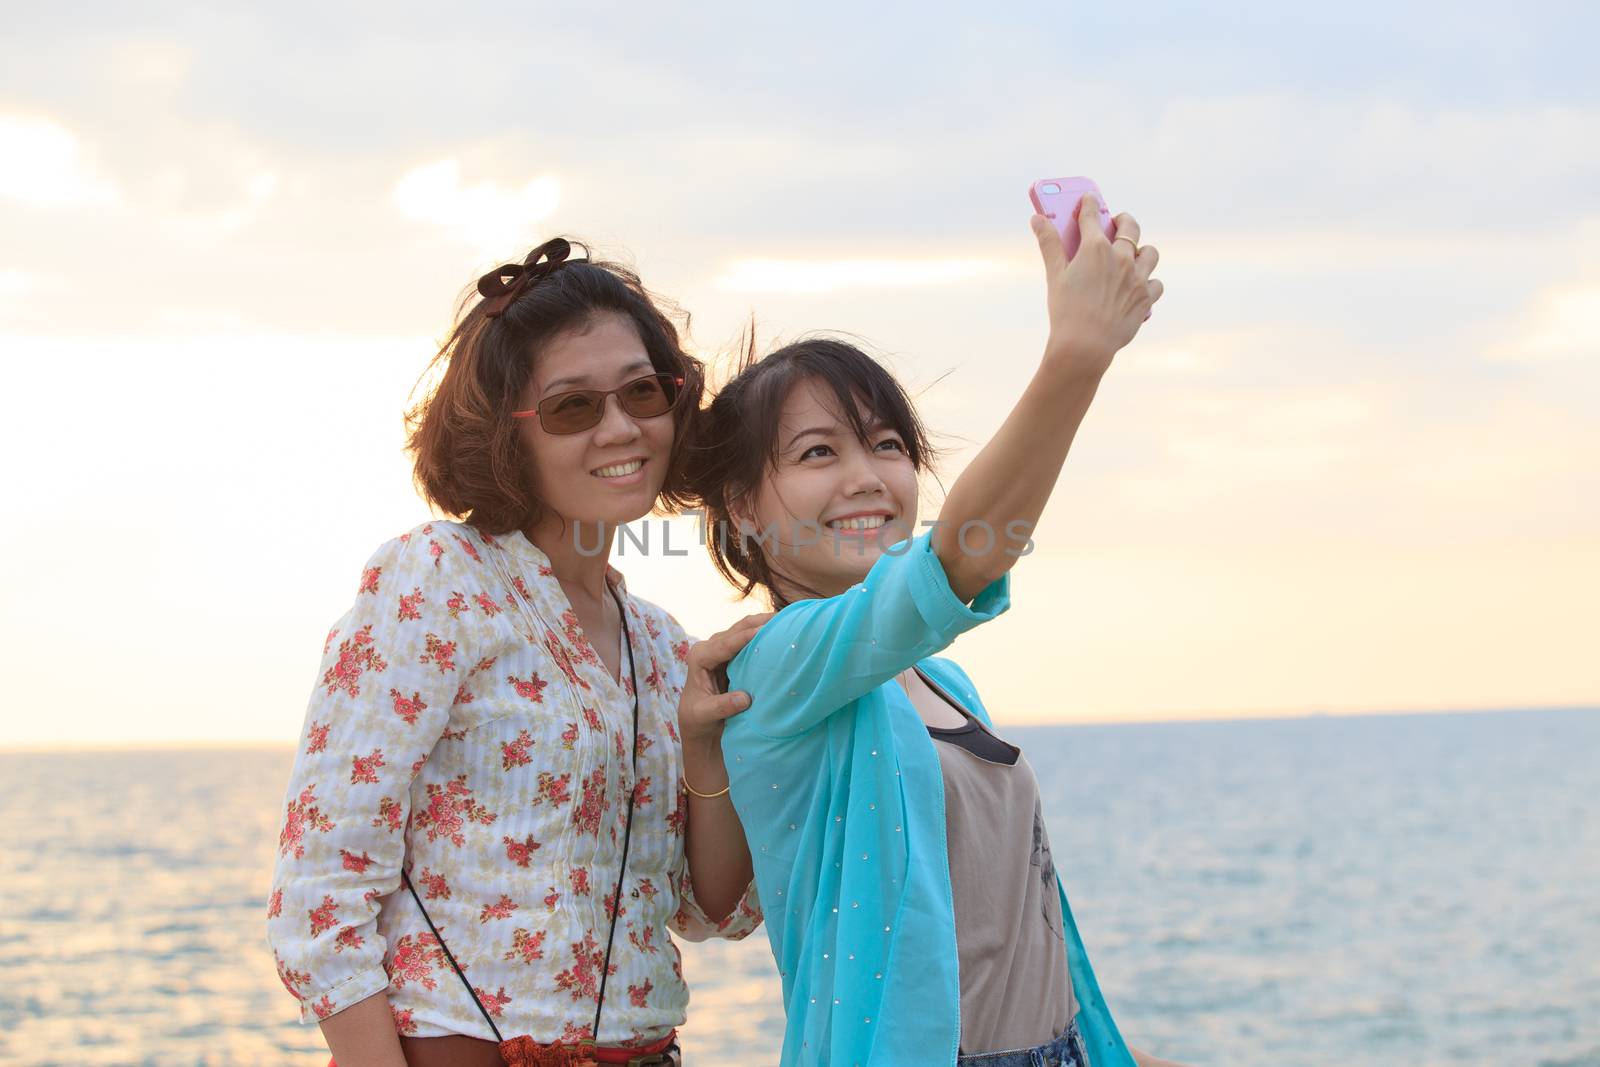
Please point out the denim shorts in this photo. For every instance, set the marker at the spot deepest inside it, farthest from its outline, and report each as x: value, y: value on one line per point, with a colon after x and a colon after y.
x: 1065, y: 1051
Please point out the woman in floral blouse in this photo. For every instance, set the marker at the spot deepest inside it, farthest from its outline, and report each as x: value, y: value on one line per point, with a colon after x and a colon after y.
x: 459, y: 811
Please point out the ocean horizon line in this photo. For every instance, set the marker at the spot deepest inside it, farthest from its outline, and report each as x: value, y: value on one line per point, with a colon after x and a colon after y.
x: 1156, y: 719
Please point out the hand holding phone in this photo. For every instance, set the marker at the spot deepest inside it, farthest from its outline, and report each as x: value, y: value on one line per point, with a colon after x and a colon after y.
x: 1057, y: 200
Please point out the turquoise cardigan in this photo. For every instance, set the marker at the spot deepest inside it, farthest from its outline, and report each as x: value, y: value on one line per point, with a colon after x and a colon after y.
x: 841, y: 795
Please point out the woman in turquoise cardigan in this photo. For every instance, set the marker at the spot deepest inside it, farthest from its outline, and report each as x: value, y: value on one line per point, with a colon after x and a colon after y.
x: 909, y: 892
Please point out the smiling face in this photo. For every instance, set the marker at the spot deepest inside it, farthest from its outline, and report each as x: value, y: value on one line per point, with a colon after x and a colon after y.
x: 613, y: 471
x: 831, y: 502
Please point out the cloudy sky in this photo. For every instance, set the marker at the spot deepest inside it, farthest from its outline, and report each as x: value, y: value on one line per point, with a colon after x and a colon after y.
x: 1350, y: 465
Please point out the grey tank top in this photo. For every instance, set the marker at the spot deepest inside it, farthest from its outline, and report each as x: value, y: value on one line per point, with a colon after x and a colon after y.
x: 1016, y: 991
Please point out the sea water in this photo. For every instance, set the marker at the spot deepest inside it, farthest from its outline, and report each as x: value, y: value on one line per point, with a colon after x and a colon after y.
x: 1408, y: 889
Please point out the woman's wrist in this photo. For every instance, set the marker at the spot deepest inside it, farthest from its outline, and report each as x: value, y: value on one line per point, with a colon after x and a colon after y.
x: 1077, y: 358
x: 702, y: 761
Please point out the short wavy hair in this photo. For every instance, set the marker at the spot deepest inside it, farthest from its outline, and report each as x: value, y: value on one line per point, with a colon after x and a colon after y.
x: 469, y: 462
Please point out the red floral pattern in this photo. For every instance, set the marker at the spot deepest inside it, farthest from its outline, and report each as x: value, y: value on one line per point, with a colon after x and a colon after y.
x: 303, y: 814
x: 521, y: 852
x: 408, y: 707
x: 415, y: 960
x: 322, y: 916
x: 583, y: 977
x: 483, y: 785
x: 440, y: 653
x: 410, y: 606
x: 365, y: 768
x: 438, y: 888
x: 390, y: 814
x: 526, y: 946
x: 493, y: 1003
x: 515, y: 753
x: 586, y: 816
x: 450, y: 807
x: 352, y: 862
x: 357, y: 655
x: 554, y: 789
x: 500, y: 909
x: 532, y: 689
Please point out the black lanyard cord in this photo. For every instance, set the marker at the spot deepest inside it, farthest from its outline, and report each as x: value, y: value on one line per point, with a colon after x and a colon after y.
x: 627, y: 827
x: 622, y: 869
x: 473, y: 993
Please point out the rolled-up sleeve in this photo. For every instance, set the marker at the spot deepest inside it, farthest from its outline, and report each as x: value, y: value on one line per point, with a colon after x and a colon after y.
x: 692, y: 924
x: 385, y: 685
x: 817, y: 656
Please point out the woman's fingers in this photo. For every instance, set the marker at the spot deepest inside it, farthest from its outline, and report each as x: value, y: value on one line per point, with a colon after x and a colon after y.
x: 726, y: 705
x: 1126, y: 226
x: 1155, y: 289
x: 1050, y: 247
x: 719, y: 648
x: 1089, y: 220
x: 1146, y: 260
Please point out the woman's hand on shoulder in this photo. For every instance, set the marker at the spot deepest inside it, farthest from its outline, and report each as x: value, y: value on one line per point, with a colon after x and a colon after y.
x: 704, y: 704
x: 1098, y: 299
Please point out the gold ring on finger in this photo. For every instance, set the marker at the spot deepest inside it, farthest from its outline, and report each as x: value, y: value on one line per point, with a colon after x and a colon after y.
x: 1131, y: 242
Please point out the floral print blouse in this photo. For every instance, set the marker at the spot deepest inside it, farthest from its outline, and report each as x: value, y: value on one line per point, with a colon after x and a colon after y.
x: 482, y: 748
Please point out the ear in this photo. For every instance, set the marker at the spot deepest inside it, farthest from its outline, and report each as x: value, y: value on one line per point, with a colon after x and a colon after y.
x: 742, y: 517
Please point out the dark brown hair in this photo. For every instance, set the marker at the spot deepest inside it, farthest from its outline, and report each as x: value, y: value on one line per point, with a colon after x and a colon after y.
x: 469, y: 460
x: 736, y: 438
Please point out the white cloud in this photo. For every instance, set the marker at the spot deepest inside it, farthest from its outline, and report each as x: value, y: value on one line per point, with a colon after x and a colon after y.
x: 827, y: 276
x: 15, y: 283
x: 46, y: 166
x: 1223, y: 442
x: 483, y: 215
x: 259, y: 189
x: 1563, y: 321
x: 148, y: 62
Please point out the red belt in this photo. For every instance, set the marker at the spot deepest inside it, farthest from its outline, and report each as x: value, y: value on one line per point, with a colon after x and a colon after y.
x: 526, y: 1050
x: 624, y: 1055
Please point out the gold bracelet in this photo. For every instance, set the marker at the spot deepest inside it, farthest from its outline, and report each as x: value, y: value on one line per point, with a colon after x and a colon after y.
x: 705, y: 796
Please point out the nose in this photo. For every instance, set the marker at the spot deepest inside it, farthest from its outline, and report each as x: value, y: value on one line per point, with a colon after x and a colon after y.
x: 616, y: 426
x: 861, y: 476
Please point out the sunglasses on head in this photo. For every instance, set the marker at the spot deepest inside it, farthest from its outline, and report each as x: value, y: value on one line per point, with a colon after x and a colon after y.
x: 582, y: 409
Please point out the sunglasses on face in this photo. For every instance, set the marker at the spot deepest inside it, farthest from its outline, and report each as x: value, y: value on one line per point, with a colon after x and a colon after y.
x: 582, y: 409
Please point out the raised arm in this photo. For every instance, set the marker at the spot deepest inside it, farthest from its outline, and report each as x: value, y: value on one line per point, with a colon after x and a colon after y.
x: 1097, y: 303
x: 816, y: 656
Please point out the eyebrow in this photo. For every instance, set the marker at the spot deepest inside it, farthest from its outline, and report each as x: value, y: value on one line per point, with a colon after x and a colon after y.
x: 828, y: 431
x: 585, y: 379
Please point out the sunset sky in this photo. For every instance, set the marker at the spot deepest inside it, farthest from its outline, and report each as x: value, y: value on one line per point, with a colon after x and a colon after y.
x: 1350, y: 464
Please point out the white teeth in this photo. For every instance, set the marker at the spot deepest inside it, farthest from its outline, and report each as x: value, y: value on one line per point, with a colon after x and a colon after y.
x: 620, y: 469
x: 868, y: 522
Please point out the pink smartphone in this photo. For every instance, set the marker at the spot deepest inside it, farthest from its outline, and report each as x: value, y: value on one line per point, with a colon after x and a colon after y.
x: 1057, y: 200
